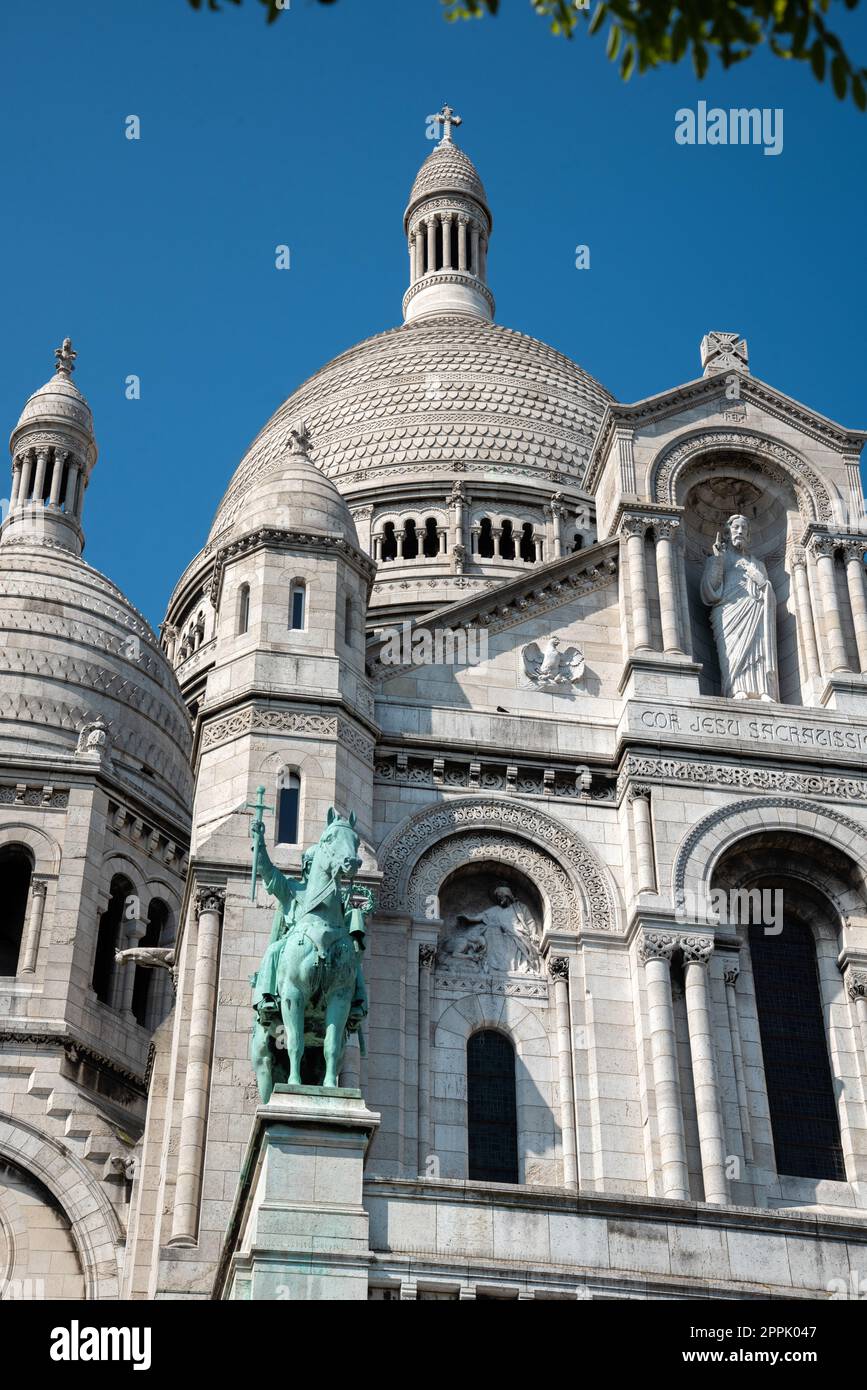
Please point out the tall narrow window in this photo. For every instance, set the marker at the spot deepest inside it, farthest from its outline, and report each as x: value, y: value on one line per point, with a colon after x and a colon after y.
x: 528, y: 543
x: 389, y: 542
x: 492, y: 1115
x: 486, y: 539
x: 243, y: 609
x: 507, y: 541
x: 347, y: 621
x: 431, y: 544
x: 15, y: 873
x: 288, y: 808
x: 108, y: 938
x: 297, y: 605
x: 410, y: 540
x: 804, y: 1118
x: 143, y: 986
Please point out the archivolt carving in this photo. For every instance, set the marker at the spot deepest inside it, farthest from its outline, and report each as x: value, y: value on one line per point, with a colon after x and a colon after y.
x: 402, y: 853
x: 434, y: 866
x: 814, y: 503
x: 711, y: 829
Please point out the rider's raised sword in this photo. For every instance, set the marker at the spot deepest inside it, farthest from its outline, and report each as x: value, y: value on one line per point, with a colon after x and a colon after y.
x: 260, y: 808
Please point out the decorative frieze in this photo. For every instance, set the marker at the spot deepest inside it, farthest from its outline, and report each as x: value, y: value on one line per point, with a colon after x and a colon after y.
x: 422, y: 770
x: 254, y: 719
x: 46, y: 797
x: 740, y: 776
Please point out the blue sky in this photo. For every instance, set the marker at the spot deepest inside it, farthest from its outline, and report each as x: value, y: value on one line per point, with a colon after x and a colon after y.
x: 157, y: 256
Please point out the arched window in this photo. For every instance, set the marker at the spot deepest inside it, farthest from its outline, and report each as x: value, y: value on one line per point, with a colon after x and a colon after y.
x: 578, y: 542
x: 298, y: 605
x: 109, y: 938
x: 16, y: 869
x: 492, y: 1114
x: 288, y: 806
x: 486, y: 539
x: 243, y: 609
x: 389, y: 542
x: 507, y: 541
x: 431, y: 544
x: 347, y: 621
x: 528, y: 544
x: 410, y: 540
x: 146, y: 980
x: 803, y: 1107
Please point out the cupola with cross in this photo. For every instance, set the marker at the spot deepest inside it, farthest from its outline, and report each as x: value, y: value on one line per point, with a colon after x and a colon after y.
x: 53, y: 454
x: 448, y: 224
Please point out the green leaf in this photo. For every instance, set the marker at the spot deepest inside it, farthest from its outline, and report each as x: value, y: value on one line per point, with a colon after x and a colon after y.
x: 699, y: 59
x: 614, y: 37
x: 817, y: 60
x: 839, y: 75
x: 859, y: 94
x: 627, y: 62
x: 598, y: 16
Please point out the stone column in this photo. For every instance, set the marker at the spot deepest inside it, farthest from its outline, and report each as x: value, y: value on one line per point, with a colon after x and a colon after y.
x: 642, y: 831
x: 447, y: 240
x: 442, y: 540
x: 426, y: 962
x: 823, y: 548
x: 39, y: 480
x: 133, y: 933
x: 555, y: 529
x: 666, y: 574
x: 805, y: 612
x: 33, y: 930
x: 854, y: 554
x: 856, y: 988
x: 462, y: 242
x: 634, y: 528
x: 26, y: 477
x: 655, y: 951
x: 431, y: 244
x: 558, y: 969
x: 731, y: 979
x: 456, y: 502
x: 697, y: 952
x: 57, y: 477
x: 474, y: 249
x: 209, y: 906
x: 483, y: 258
x: 16, y: 483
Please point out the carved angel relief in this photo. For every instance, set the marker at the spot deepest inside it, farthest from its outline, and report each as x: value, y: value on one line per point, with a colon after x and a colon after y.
x: 550, y: 667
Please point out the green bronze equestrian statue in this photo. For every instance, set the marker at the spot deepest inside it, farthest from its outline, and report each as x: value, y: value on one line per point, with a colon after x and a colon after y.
x: 309, y: 989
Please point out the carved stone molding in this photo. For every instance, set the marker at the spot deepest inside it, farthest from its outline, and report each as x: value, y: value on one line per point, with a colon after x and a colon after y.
x: 580, y: 869
x: 730, y: 974
x: 747, y: 778
x: 856, y: 983
x: 39, y: 887
x: 558, y: 967
x: 427, y: 957
x: 638, y: 791
x: 44, y: 797
x: 465, y: 983
x: 656, y: 945
x: 761, y: 803
x: 428, y: 770
x: 773, y: 459
x: 446, y: 856
x: 697, y: 950
x: 253, y: 719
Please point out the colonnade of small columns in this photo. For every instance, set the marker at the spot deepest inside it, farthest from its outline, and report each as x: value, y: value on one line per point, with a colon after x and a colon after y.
x: 464, y: 534
x: 472, y: 245
x: 48, y: 475
x: 671, y: 580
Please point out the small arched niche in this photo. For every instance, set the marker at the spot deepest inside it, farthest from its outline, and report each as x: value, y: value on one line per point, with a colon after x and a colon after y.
x: 717, y: 487
x: 488, y: 929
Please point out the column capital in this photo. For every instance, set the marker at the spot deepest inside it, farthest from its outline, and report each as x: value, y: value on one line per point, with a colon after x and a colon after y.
x: 39, y: 887
x: 697, y: 950
x: 855, y: 982
x: 731, y: 973
x: 558, y: 967
x: 854, y: 550
x: 821, y: 546
x: 427, y: 955
x: 798, y: 556
x: 209, y: 898
x: 666, y: 528
x: 655, y: 945
x: 632, y: 524
x: 638, y: 791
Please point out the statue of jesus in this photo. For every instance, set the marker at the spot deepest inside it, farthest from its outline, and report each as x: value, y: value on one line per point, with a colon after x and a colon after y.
x: 743, y: 616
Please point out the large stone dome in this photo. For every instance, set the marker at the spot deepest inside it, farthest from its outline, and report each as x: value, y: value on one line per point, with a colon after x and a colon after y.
x: 438, y: 397
x: 75, y: 651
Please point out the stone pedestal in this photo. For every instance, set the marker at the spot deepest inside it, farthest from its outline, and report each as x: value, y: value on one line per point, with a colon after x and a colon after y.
x: 298, y: 1229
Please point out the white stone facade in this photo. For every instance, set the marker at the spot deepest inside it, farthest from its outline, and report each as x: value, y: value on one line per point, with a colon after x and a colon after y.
x: 613, y: 806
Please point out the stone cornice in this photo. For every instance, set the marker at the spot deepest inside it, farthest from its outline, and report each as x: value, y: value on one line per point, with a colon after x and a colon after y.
x: 753, y: 389
x: 75, y: 1051
x: 327, y: 721
x: 269, y: 537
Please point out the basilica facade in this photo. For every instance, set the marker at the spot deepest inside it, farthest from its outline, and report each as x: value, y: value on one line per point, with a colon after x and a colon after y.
x: 592, y: 677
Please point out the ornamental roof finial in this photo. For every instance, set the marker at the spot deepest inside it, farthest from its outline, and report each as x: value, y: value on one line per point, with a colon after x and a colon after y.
x: 298, y: 439
x: 66, y: 356
x: 447, y: 118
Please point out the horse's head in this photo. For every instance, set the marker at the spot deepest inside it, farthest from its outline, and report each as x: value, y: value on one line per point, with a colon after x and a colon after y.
x: 337, y: 851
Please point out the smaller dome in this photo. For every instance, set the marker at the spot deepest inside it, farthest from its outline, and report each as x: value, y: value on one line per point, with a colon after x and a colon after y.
x: 295, y: 496
x: 59, y: 400
x: 447, y: 170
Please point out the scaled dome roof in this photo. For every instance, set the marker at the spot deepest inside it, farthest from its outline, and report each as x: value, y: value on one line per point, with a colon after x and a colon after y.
x: 74, y: 649
x: 438, y: 397
x: 447, y: 169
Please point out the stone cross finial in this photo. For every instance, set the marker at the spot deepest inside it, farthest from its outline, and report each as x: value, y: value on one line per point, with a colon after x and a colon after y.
x: 447, y: 118
x: 66, y: 356
x: 724, y: 352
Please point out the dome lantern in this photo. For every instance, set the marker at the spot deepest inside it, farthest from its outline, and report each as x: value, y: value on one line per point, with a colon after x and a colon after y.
x: 448, y: 224
x: 53, y: 453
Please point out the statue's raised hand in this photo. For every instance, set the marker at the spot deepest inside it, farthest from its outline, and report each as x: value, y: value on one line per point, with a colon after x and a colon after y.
x: 719, y: 545
x: 257, y: 831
